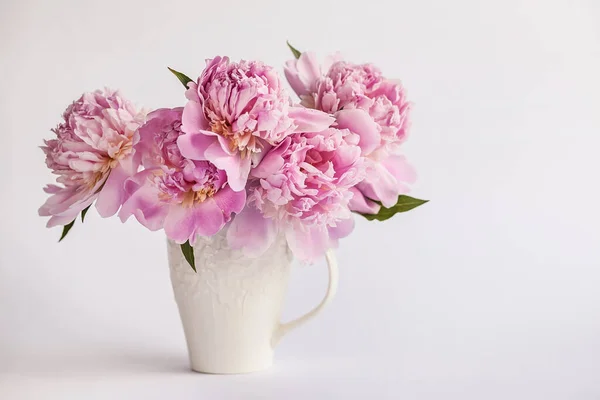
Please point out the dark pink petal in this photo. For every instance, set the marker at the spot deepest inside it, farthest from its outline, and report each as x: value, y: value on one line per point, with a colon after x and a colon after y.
x: 359, y: 122
x: 251, y: 232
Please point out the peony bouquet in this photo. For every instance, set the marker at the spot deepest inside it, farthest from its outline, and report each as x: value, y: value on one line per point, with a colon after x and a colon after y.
x: 240, y: 153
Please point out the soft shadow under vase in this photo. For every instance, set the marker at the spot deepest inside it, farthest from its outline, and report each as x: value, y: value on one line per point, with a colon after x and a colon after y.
x: 231, y: 307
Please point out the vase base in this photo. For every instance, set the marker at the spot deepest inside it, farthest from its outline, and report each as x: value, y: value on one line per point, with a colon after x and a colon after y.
x: 231, y: 371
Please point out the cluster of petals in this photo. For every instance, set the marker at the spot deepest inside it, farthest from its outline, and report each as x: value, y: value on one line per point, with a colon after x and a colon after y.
x: 186, y: 198
x: 236, y: 111
x: 301, y: 189
x: 240, y: 155
x: 374, y: 107
x: 92, y: 156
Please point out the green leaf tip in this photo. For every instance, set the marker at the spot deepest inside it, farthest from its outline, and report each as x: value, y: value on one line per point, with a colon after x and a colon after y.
x: 294, y: 50
x: 183, y: 78
x: 66, y: 230
x: 188, y: 253
x: 404, y: 203
x: 84, y: 212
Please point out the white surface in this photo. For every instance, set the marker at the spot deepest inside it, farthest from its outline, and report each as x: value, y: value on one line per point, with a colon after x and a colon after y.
x: 490, y: 291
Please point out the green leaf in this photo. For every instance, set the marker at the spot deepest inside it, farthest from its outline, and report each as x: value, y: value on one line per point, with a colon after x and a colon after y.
x: 84, y: 212
x: 294, y: 50
x: 188, y: 253
x: 183, y: 78
x: 405, y: 203
x: 66, y: 230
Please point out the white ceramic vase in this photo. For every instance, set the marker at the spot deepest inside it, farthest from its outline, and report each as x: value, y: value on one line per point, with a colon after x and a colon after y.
x: 231, y: 307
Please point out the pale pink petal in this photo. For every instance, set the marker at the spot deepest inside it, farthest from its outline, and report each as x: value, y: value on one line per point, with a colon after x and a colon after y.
x: 380, y: 185
x: 272, y: 161
x: 359, y: 203
x: 143, y: 203
x: 237, y: 168
x: 308, y: 69
x: 400, y: 168
x: 309, y: 120
x: 193, y: 145
x: 69, y: 201
x: 60, y: 220
x: 111, y: 196
x: 70, y: 214
x: 193, y: 119
x: 291, y: 74
x: 330, y: 60
x: 342, y: 228
x: 359, y: 122
x: 185, y: 223
x: 308, y: 243
x: 251, y: 232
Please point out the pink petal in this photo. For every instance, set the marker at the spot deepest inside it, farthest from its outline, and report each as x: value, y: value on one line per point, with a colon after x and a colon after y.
x: 361, y: 123
x: 309, y: 120
x: 291, y: 74
x: 236, y: 168
x: 144, y: 204
x: 230, y: 201
x: 67, y: 203
x: 193, y: 145
x: 308, y: 243
x: 308, y: 70
x: 184, y: 223
x: 400, y: 168
x: 60, y: 220
x: 112, y: 194
x: 330, y: 60
x: 251, y: 232
x: 361, y: 204
x: 272, y: 161
x: 70, y: 214
x: 342, y: 228
x: 193, y: 119
x: 380, y: 185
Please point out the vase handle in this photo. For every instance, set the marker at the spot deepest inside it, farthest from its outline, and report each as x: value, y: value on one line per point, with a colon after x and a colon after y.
x: 284, y: 328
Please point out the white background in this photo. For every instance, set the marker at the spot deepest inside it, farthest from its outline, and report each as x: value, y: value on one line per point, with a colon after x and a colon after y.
x: 490, y: 291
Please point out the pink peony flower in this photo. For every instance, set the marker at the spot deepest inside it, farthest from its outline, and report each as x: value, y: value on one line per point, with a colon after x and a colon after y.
x: 92, y: 156
x: 365, y: 102
x: 384, y: 181
x: 185, y: 197
x: 235, y: 113
x: 302, y: 189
